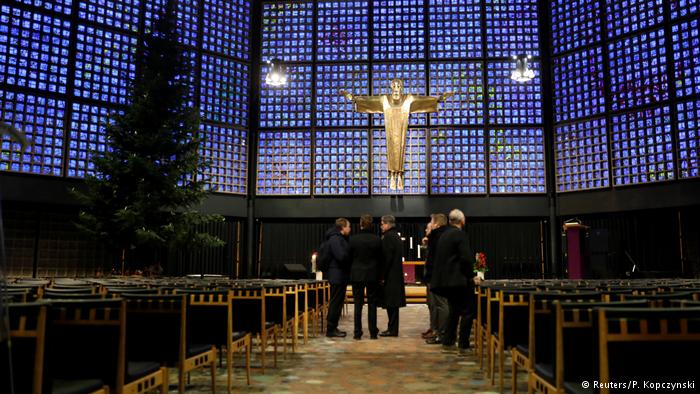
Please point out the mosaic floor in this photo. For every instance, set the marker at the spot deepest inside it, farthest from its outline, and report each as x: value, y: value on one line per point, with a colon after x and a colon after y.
x: 387, y: 365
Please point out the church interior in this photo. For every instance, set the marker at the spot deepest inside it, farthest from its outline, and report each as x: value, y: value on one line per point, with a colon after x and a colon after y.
x: 391, y: 196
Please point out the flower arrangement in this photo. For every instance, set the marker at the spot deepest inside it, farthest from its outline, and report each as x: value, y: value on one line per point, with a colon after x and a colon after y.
x: 480, y: 265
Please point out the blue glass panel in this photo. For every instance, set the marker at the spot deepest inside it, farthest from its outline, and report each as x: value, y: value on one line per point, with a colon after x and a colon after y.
x: 579, y: 90
x: 121, y: 14
x: 689, y: 139
x: 227, y: 149
x: 516, y: 160
x: 284, y: 163
x: 467, y: 81
x: 638, y: 70
x: 457, y: 161
x: 575, y: 23
x: 399, y: 30
x: 41, y: 119
x: 288, y: 31
x: 288, y: 105
x: 33, y: 50
x: 682, y: 8
x: 642, y: 149
x: 455, y: 28
x: 341, y: 162
x: 342, y: 30
x: 332, y: 109
x: 227, y: 27
x: 187, y: 19
x: 61, y: 6
x: 415, y: 177
x: 686, y: 57
x: 413, y: 76
x: 511, y: 28
x: 627, y: 16
x: 104, y: 64
x: 582, y: 156
x: 87, y: 136
x: 224, y: 91
x: 512, y: 102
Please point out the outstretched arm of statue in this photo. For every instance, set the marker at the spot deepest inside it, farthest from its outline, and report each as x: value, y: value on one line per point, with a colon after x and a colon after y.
x: 347, y: 95
x: 365, y: 104
x: 445, y: 96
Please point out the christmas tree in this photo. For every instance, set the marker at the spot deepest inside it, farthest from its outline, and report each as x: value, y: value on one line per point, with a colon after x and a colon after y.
x: 146, y: 189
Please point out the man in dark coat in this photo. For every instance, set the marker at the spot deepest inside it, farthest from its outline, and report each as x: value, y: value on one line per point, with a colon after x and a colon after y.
x: 437, y: 305
x: 453, y: 278
x: 338, y: 273
x: 394, y: 293
x: 366, y: 256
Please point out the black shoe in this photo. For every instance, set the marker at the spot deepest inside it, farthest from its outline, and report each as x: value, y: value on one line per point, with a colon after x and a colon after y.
x: 388, y: 334
x: 373, y: 337
x: 434, y: 341
x: 336, y: 334
x: 357, y: 337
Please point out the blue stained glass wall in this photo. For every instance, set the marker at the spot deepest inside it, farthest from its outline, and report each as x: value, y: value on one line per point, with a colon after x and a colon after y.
x: 288, y: 31
x: 187, y: 19
x: 683, y: 8
x: 415, y: 177
x: 332, y: 109
x: 686, y: 55
x: 60, y: 6
x: 404, y: 17
x: 120, y: 14
x: 582, y: 155
x: 466, y: 80
x: 342, y: 31
x: 457, y: 161
x: 41, y: 119
x: 627, y: 16
x: 575, y: 23
x: 227, y: 148
x: 87, y: 136
x: 516, y: 159
x: 689, y: 139
x: 642, y: 147
x: 511, y: 28
x: 511, y: 102
x: 341, y: 162
x: 455, y: 28
x: 224, y: 91
x: 413, y: 76
x: 226, y: 27
x: 33, y: 50
x: 284, y: 163
x: 579, y: 85
x: 288, y: 105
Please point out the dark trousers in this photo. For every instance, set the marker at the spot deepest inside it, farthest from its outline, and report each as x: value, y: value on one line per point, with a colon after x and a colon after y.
x: 462, y: 310
x: 358, y: 295
x: 335, y: 306
x: 439, y: 312
x: 393, y: 314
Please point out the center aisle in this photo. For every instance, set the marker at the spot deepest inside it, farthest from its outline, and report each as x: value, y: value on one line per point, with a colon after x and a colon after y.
x: 387, y: 365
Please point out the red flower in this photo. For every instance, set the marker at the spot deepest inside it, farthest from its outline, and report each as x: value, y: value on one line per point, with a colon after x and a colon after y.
x: 480, y: 264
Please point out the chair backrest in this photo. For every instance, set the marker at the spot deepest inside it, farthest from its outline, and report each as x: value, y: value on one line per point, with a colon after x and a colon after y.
x: 648, y: 344
x: 513, y: 316
x: 117, y: 291
x: 275, y: 302
x: 15, y: 295
x: 248, y: 308
x: 86, y: 340
x: 71, y: 290
x: 52, y: 295
x: 208, y: 316
x: 28, y: 336
x: 660, y: 300
x: 156, y: 329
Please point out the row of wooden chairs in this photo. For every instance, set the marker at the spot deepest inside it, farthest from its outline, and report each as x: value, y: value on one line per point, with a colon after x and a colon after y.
x: 519, y: 316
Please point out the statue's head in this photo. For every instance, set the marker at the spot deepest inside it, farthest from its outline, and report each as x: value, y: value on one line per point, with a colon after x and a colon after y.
x: 396, y: 88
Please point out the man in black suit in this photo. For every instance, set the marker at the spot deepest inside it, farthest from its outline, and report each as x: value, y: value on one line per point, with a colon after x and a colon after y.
x: 338, y: 273
x: 366, y: 257
x: 392, y: 274
x: 437, y: 305
x: 453, y: 278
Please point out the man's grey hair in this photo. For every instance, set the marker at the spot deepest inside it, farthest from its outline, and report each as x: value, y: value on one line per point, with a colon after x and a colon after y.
x: 389, y: 219
x: 456, y: 217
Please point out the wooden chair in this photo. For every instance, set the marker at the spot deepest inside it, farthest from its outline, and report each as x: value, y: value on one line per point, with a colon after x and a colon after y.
x: 303, y: 308
x: 87, y: 339
x: 211, y: 320
x: 248, y: 302
x: 53, y: 294
x: 512, y: 327
x: 291, y: 293
x: 166, y: 317
x: 276, y: 309
x: 638, y: 344
x: 481, y: 326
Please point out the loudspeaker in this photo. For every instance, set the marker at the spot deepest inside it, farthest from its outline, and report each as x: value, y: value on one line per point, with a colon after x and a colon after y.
x: 294, y: 271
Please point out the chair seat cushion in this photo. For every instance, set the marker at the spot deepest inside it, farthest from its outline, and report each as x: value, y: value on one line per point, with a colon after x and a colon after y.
x: 522, y: 349
x: 196, y: 349
x: 575, y: 387
x: 545, y: 371
x: 139, y: 369
x: 238, y: 335
x: 76, y: 386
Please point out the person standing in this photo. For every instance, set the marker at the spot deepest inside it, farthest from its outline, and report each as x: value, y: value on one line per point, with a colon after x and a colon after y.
x: 394, y: 293
x: 366, y: 256
x: 437, y: 305
x: 453, y: 278
x: 338, y: 272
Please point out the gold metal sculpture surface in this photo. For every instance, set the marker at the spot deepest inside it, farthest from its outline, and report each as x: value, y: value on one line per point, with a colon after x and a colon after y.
x: 396, y: 108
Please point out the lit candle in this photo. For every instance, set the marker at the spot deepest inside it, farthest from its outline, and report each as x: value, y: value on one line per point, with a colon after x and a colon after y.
x: 410, y: 242
x: 313, y: 262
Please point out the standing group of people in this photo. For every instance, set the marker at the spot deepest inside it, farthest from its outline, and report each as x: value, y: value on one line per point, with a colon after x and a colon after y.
x: 374, y: 266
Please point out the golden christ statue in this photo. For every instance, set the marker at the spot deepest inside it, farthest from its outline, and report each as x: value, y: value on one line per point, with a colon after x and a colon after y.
x: 396, y: 108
